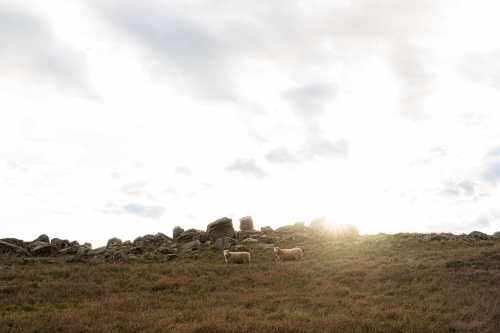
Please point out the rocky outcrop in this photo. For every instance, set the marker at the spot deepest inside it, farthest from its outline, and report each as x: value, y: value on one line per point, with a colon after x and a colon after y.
x: 191, y: 246
x: 478, y: 235
x: 246, y: 223
x: 60, y: 243
x: 9, y: 249
x: 243, y: 234
x: 220, y: 228
x: 267, y: 230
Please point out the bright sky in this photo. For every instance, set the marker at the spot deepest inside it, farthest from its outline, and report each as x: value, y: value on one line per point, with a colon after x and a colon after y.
x: 127, y: 118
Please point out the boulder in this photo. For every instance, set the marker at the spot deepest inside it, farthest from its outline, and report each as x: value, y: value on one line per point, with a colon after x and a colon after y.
x: 243, y: 234
x: 187, y: 236
x: 127, y: 243
x: 82, y: 254
x: 9, y: 249
x: 246, y: 223
x: 478, y: 235
x: 298, y: 237
x: 42, y: 238
x: 432, y: 237
x: 267, y: 230
x: 14, y: 241
x: 496, y: 235
x: 191, y: 246
x: 177, y: 232
x: 114, y: 242
x: 163, y: 250
x: 42, y: 249
x: 169, y: 257
x: 250, y: 241
x: 60, y: 243
x: 220, y: 228
x: 225, y: 243
x: 240, y: 248
x: 266, y: 239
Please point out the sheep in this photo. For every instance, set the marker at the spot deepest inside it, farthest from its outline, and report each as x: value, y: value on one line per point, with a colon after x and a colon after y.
x: 236, y: 257
x: 288, y: 254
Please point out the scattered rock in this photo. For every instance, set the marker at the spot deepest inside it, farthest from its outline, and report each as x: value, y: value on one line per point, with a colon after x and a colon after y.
x: 42, y: 249
x: 114, y: 242
x: 9, y: 249
x: 240, y: 248
x: 169, y: 257
x: 478, y: 235
x: 266, y: 239
x: 225, y: 243
x: 191, y: 246
x: 250, y: 241
x: 177, y: 232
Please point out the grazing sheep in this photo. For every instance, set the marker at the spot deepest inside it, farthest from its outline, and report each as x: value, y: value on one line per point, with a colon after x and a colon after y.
x: 236, y: 257
x: 288, y: 254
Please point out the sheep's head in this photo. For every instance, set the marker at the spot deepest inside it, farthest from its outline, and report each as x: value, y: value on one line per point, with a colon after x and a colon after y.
x: 276, y: 250
x: 225, y: 252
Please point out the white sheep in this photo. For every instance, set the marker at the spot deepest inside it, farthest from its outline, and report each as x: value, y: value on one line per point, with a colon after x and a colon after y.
x: 288, y: 254
x: 236, y: 257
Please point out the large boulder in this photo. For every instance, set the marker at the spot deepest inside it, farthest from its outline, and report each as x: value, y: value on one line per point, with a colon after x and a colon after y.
x: 339, y: 231
x: 9, y: 249
x: 496, y: 235
x: 243, y: 234
x: 42, y: 238
x: 220, y: 228
x: 267, y: 230
x: 177, y: 232
x: 114, y: 242
x: 478, y: 235
x: 14, y: 241
x: 43, y: 249
x: 246, y: 223
x: 60, y: 243
x: 187, y: 236
x: 191, y: 246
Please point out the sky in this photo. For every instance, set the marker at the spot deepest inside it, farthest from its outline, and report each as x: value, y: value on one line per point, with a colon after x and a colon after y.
x: 127, y: 118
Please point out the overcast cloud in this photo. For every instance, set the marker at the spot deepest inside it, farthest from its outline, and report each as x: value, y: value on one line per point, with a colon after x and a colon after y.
x: 379, y: 113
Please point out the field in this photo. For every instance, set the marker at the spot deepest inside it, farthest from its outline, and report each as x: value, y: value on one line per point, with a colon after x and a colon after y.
x: 392, y: 285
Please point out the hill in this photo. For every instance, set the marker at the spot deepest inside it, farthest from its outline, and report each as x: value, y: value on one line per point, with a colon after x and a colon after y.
x: 381, y: 283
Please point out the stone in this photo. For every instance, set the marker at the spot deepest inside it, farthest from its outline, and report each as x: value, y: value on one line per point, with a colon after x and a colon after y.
x: 114, y: 242
x: 246, y: 223
x: 135, y: 250
x: 191, y: 246
x: 9, y: 249
x: 82, y: 254
x: 42, y: 238
x: 298, y: 237
x: 177, y: 231
x: 496, y: 235
x: 130, y: 256
x: 128, y: 243
x: 267, y: 230
x: 240, y: 248
x: 243, y: 234
x: 266, y: 239
x: 163, y: 250
x: 225, y: 243
x: 169, y: 257
x: 42, y: 249
x: 478, y: 235
x: 250, y: 241
x: 187, y: 236
x: 30, y: 261
x: 60, y: 243
x: 220, y: 228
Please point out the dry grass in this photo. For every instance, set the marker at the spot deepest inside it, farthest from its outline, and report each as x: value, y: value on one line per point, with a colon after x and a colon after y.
x: 341, y: 287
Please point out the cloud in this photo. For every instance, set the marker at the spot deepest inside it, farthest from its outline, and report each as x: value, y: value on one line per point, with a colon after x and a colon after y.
x: 29, y: 52
x: 415, y: 81
x: 493, y: 152
x: 182, y: 170
x: 281, y: 155
x: 457, y: 188
x: 310, y: 101
x: 322, y: 147
x: 491, y: 173
x: 247, y: 167
x: 134, y: 189
x: 152, y: 212
x: 431, y: 157
x: 482, y: 68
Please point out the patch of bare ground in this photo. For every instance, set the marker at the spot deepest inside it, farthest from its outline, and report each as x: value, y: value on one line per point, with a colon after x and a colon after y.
x: 391, y: 285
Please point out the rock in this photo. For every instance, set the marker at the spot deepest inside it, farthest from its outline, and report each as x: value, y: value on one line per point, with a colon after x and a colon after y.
x: 148, y: 256
x: 191, y: 246
x: 60, y: 243
x: 266, y: 246
x: 250, y: 241
x: 163, y: 250
x: 69, y: 250
x: 42, y: 238
x: 131, y: 257
x: 87, y: 245
x: 9, y: 249
x: 266, y: 239
x: 169, y: 257
x: 14, y: 241
x: 225, y: 243
x: 135, y: 250
x: 267, y: 230
x: 114, y: 242
x: 246, y: 233
x: 82, y: 254
x: 30, y: 261
x: 496, y: 235
x: 246, y: 223
x: 240, y: 248
x: 177, y: 232
x: 220, y: 228
x: 42, y: 249
x: 298, y: 237
x: 432, y: 237
x: 115, y: 256
x: 187, y: 236
x: 127, y: 243
x: 478, y: 235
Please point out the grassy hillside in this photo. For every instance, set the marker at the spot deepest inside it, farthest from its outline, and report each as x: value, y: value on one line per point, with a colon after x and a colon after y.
x: 392, y: 285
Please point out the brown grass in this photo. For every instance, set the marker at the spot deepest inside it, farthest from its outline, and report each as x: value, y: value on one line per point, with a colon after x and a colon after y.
x: 338, y: 287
